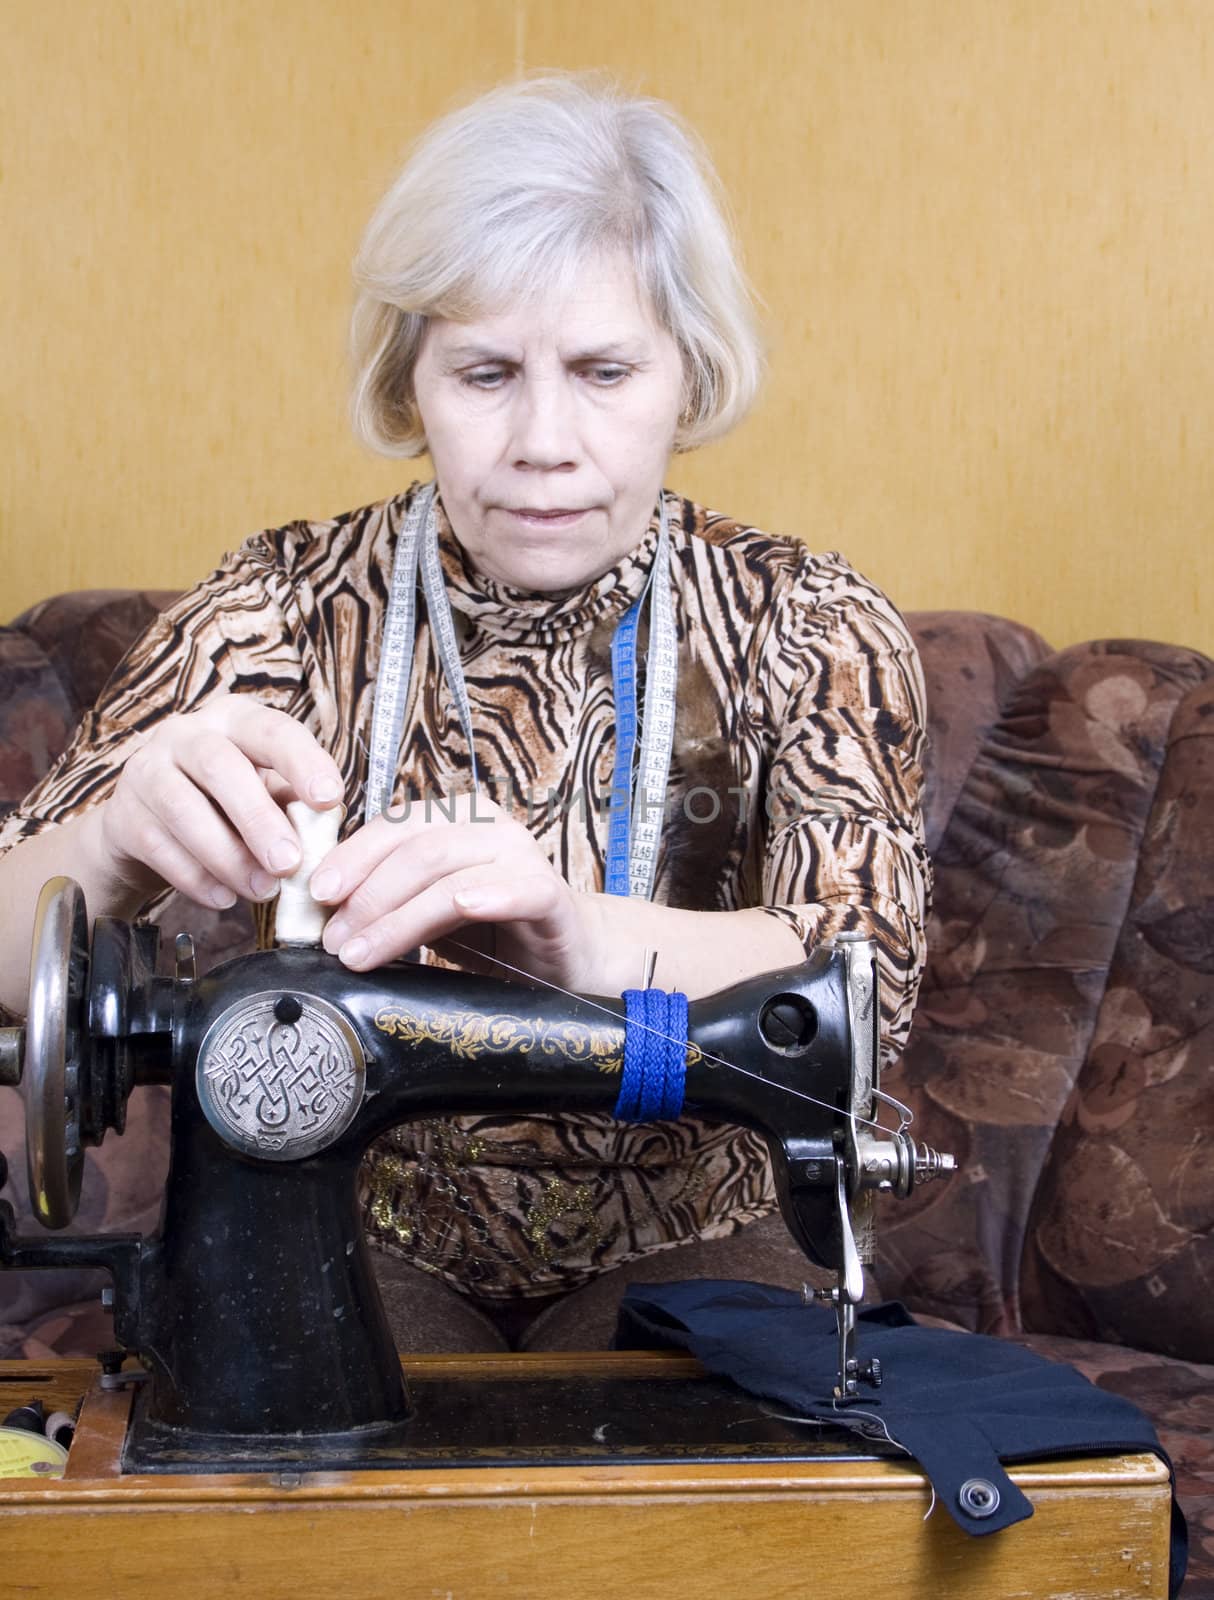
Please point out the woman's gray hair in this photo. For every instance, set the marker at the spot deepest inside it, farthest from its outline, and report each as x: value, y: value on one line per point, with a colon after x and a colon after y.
x: 504, y: 199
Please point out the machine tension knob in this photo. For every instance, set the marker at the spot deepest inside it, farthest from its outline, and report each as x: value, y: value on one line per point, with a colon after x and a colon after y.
x: 931, y: 1163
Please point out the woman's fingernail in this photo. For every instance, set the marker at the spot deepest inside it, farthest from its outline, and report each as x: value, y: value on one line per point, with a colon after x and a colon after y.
x: 354, y: 952
x: 223, y: 898
x: 262, y: 884
x: 282, y: 855
x: 335, y: 932
x: 324, y: 885
x: 324, y: 789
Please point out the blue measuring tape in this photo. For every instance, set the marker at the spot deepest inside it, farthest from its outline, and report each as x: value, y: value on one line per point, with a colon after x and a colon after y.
x: 655, y: 1056
x: 624, y: 685
x: 640, y: 778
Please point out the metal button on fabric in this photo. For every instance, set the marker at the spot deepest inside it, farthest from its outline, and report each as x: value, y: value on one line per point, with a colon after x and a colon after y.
x: 978, y: 1497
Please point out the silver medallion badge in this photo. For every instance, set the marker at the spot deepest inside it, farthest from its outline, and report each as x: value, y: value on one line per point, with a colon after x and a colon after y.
x: 280, y: 1075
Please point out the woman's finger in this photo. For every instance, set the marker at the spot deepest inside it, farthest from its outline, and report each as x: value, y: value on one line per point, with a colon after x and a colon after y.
x: 279, y: 790
x: 436, y: 857
x: 424, y: 849
x: 218, y: 809
x: 170, y: 861
x: 270, y: 738
x: 534, y: 907
x: 198, y: 771
x: 350, y: 863
x: 152, y: 785
x: 426, y: 917
x: 437, y: 913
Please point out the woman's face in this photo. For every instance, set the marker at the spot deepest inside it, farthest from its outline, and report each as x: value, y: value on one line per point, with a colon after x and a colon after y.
x: 550, y: 428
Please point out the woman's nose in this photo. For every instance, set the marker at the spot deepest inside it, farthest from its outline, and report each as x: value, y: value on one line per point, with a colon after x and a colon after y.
x: 545, y: 424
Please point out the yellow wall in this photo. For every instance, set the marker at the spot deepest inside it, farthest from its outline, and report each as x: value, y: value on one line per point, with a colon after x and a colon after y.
x: 983, y: 231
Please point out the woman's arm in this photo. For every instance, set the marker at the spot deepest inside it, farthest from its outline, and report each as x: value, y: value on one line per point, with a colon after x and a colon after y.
x: 697, y: 952
x: 163, y: 784
x: 843, y: 850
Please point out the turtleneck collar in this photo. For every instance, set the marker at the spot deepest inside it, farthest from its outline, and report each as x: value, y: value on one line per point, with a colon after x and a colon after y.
x: 524, y: 617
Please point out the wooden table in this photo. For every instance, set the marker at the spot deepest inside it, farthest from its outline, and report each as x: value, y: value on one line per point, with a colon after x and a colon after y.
x: 697, y: 1531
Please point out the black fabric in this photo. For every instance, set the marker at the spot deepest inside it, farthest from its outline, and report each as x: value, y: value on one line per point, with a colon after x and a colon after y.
x: 960, y: 1403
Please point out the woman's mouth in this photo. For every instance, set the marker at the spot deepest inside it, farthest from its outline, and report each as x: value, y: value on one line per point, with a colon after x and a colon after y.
x: 533, y: 517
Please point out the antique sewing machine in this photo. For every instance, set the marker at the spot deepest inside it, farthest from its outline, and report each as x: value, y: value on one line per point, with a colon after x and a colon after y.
x: 254, y: 1432
x: 253, y: 1308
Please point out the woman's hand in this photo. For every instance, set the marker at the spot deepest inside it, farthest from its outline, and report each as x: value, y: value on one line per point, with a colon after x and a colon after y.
x: 418, y: 878
x: 197, y: 806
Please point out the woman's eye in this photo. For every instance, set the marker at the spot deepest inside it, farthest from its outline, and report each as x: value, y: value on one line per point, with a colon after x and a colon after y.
x: 488, y: 378
x: 485, y: 378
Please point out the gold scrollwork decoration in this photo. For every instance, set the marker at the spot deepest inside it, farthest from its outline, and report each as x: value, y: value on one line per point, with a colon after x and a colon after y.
x: 469, y: 1034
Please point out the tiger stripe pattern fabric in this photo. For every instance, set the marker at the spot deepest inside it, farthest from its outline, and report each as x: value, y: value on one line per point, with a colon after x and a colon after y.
x: 794, y: 785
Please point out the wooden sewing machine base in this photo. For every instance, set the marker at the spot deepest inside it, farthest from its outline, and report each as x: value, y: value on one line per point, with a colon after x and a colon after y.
x: 756, y: 1529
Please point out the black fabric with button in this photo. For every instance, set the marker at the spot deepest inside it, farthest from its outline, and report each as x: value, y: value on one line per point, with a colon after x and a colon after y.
x: 960, y: 1403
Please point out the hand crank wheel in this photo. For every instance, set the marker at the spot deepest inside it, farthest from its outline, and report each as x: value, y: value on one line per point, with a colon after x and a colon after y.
x: 53, y: 1037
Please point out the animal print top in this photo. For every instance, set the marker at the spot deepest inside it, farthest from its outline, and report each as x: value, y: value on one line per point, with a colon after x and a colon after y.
x: 794, y: 785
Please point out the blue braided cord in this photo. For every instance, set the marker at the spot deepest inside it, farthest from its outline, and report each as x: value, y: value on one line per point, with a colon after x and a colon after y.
x: 652, y: 1051
x: 655, y: 1056
x: 676, y: 1063
x: 630, y: 1083
x: 624, y: 688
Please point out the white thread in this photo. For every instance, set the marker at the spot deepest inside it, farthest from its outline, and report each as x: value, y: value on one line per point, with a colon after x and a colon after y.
x: 300, y: 919
x: 880, y: 1432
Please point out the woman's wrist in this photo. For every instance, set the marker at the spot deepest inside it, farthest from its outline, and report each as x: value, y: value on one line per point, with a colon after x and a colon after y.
x: 594, y: 941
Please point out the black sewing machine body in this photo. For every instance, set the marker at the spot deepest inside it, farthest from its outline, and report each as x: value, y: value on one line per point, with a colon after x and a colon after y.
x: 253, y: 1306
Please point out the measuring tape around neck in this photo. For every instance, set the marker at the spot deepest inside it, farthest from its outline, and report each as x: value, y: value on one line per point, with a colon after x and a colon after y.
x: 637, y: 801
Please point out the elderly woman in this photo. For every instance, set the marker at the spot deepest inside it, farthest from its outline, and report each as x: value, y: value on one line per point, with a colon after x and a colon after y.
x: 573, y: 717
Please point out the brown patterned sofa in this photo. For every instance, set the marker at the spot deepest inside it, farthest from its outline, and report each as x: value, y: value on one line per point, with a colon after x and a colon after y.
x: 1063, y: 1046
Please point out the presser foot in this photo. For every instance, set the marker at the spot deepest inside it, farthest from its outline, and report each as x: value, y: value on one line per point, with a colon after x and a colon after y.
x: 850, y: 1371
x: 844, y: 1295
